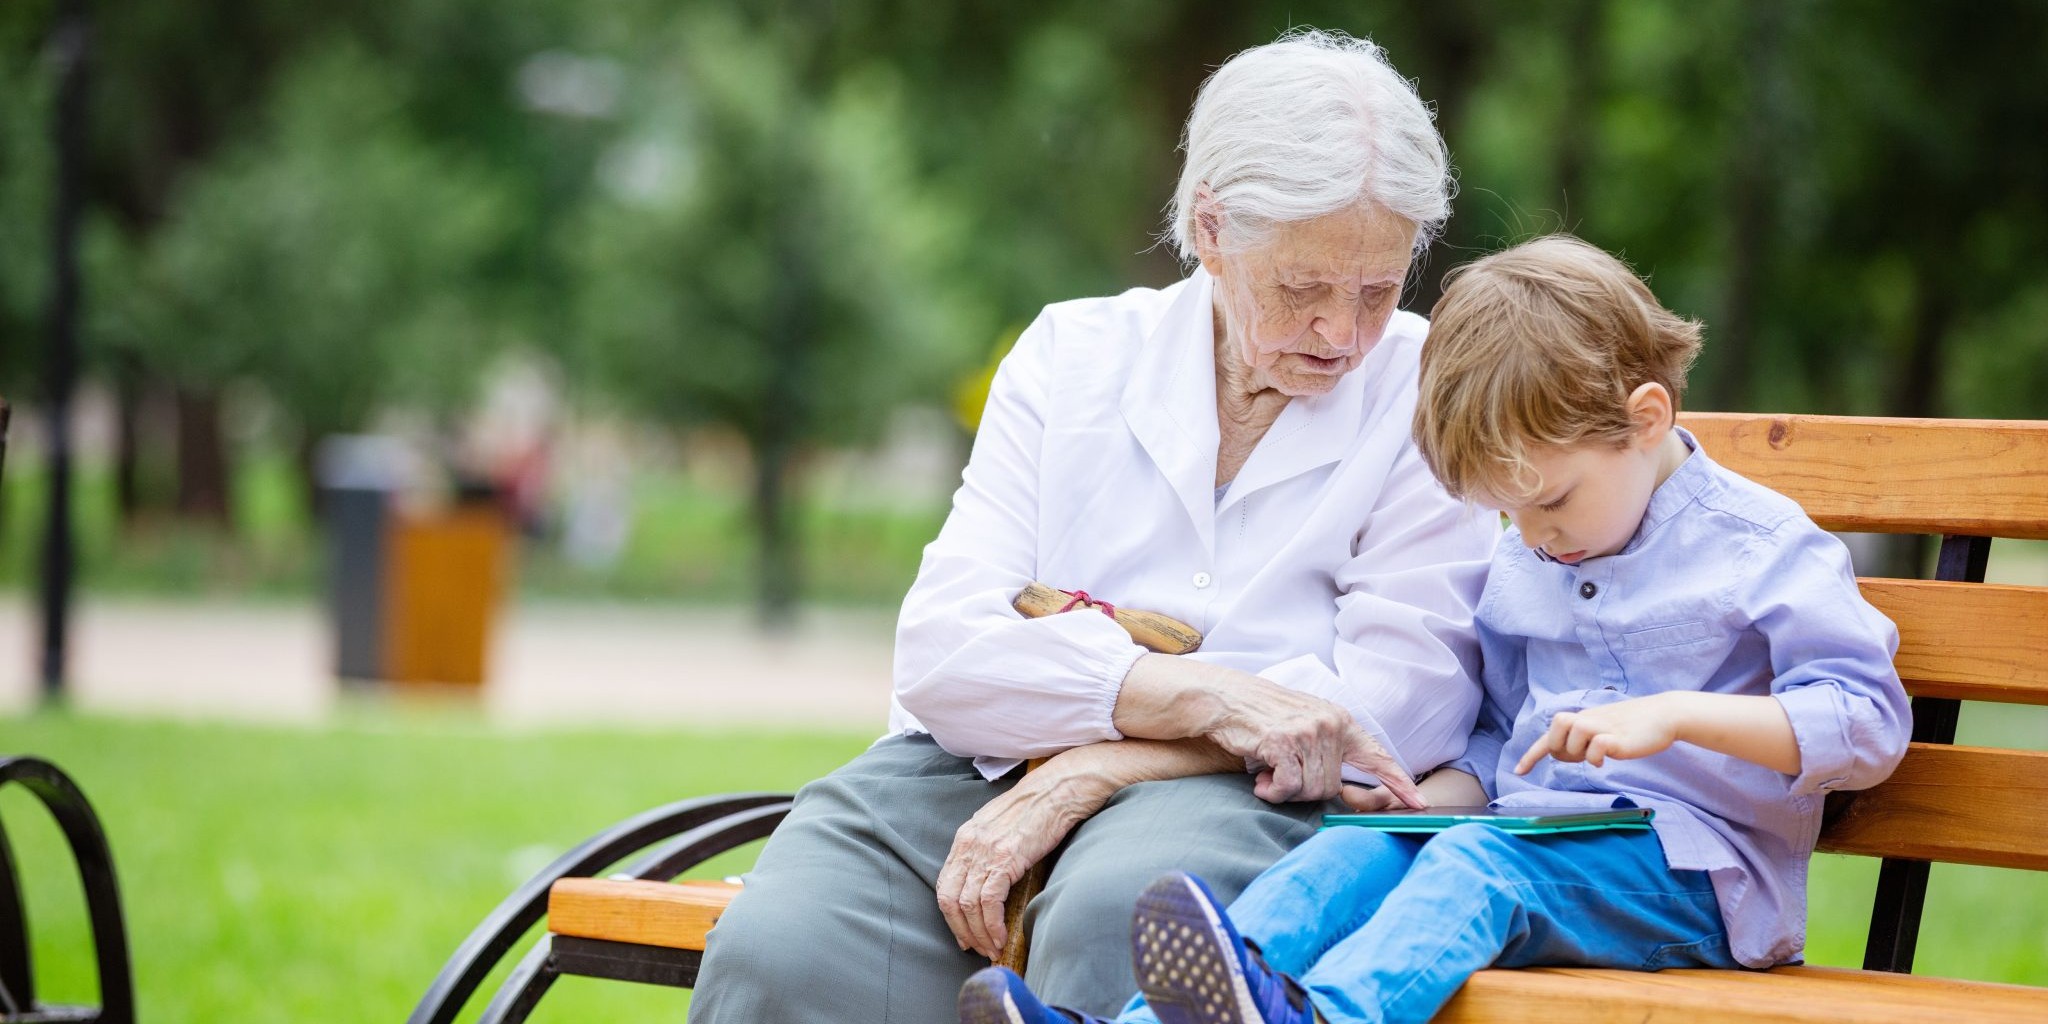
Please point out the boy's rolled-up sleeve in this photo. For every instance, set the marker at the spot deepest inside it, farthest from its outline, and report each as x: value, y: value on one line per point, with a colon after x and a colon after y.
x: 1831, y: 653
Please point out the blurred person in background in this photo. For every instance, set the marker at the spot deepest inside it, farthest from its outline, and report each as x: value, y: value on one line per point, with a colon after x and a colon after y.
x: 1232, y: 451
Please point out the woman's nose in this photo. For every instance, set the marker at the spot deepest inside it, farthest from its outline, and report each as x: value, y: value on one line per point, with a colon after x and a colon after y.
x: 1339, y: 328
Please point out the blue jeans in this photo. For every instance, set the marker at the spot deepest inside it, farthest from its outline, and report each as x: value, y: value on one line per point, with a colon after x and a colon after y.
x: 1381, y: 927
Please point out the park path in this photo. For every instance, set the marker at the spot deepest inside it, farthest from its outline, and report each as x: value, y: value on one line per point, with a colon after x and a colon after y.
x: 553, y: 664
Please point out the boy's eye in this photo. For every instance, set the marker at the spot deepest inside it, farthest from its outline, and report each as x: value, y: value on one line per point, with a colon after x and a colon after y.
x: 1555, y: 505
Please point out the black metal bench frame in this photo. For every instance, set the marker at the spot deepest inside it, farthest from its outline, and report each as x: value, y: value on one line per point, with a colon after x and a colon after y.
x: 81, y: 828
x: 661, y: 844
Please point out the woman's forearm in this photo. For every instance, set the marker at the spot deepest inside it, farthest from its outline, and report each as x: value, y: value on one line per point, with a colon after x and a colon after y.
x: 1166, y: 697
x: 1109, y: 767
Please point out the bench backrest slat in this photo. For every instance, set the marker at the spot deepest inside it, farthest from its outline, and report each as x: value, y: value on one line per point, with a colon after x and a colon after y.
x: 1957, y: 640
x: 1968, y: 641
x: 1956, y: 805
x: 1983, y: 478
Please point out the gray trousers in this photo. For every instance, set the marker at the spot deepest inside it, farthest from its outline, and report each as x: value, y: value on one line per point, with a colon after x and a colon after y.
x: 838, y: 921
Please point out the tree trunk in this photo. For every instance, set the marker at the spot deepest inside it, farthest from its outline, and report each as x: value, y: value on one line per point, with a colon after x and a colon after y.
x: 1918, y: 392
x: 202, y: 458
x: 128, y: 413
x: 783, y: 417
x: 306, y: 459
x: 778, y: 564
x: 1452, y: 49
x: 1203, y: 34
x: 1585, y: 22
x: 1920, y: 380
x: 1752, y: 187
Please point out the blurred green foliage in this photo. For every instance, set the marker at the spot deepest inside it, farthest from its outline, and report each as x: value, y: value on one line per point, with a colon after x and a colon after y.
x: 786, y: 220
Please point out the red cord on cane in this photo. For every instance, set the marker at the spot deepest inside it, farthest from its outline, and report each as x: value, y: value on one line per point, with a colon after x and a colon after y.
x: 1081, y: 598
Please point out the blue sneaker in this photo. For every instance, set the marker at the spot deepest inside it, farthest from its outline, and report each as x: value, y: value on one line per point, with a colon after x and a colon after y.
x: 1195, y: 969
x: 995, y: 995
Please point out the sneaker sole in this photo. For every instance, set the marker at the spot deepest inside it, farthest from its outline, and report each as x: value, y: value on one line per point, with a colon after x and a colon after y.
x: 987, y: 1004
x: 1182, y: 952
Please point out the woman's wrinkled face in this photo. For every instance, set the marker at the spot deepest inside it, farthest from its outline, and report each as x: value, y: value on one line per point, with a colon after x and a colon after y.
x: 1302, y: 310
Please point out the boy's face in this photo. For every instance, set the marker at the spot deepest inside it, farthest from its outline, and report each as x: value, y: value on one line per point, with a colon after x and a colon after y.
x: 1590, y: 498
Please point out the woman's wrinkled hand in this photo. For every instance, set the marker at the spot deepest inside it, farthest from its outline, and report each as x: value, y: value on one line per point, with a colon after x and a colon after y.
x: 1005, y: 838
x: 1304, y: 741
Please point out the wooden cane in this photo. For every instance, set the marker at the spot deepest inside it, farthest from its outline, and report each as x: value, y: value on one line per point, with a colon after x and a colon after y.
x: 1151, y: 630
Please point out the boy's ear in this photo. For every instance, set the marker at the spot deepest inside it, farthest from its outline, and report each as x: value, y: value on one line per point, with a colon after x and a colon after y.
x: 1650, y: 408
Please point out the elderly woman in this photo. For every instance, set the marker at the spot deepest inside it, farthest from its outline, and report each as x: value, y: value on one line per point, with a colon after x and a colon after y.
x: 1232, y: 451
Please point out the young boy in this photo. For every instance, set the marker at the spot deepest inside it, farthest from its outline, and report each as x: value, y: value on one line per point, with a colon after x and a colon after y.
x: 1657, y: 632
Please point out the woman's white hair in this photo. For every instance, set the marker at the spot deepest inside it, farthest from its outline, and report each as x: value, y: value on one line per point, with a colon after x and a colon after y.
x: 1308, y: 125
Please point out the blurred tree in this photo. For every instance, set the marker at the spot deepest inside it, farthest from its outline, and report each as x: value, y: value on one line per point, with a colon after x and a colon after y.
x: 333, y: 255
x: 766, y: 259
x: 25, y: 174
x: 788, y: 219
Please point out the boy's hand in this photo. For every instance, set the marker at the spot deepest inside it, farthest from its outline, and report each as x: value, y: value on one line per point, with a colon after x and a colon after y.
x: 1628, y: 729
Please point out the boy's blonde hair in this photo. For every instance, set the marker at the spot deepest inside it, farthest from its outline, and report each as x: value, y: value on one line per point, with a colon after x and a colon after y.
x: 1539, y: 345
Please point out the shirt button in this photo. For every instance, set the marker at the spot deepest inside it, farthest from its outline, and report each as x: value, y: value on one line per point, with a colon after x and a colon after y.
x: 1201, y: 581
x: 1587, y: 589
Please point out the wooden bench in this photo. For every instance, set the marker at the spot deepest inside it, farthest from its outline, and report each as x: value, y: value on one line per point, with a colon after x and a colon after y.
x: 1961, y: 639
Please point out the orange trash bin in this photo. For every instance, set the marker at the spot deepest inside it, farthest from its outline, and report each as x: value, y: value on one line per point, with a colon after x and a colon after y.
x: 446, y: 574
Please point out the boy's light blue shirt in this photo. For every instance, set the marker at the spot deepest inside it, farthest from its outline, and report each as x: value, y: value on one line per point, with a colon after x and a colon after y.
x: 1727, y: 587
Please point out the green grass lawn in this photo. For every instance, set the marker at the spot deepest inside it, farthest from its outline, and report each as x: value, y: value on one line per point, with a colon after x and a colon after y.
x: 289, y: 875
x: 279, y: 874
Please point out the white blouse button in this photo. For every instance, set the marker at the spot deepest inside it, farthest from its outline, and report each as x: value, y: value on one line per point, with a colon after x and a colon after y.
x: 1201, y: 581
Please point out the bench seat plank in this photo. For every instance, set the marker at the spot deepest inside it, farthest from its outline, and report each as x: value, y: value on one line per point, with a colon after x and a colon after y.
x: 1785, y: 995
x: 1982, y: 478
x: 677, y: 916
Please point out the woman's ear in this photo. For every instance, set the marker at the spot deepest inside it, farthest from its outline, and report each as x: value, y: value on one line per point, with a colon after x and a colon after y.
x: 1651, y: 410
x: 1207, y: 230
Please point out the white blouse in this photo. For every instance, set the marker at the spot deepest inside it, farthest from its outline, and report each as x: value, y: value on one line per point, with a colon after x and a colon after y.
x: 1333, y: 564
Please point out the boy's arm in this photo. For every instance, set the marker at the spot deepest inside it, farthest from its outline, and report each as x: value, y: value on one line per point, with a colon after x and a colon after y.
x: 1831, y: 655
x: 1755, y: 729
x: 1836, y: 716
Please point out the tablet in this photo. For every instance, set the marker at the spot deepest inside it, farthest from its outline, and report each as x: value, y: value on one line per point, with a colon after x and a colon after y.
x: 1520, y: 820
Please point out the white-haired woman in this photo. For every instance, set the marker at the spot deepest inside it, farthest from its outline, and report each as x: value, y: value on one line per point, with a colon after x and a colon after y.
x: 1232, y: 451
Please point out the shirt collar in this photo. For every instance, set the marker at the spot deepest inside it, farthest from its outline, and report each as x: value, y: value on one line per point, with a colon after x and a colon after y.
x: 1676, y: 492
